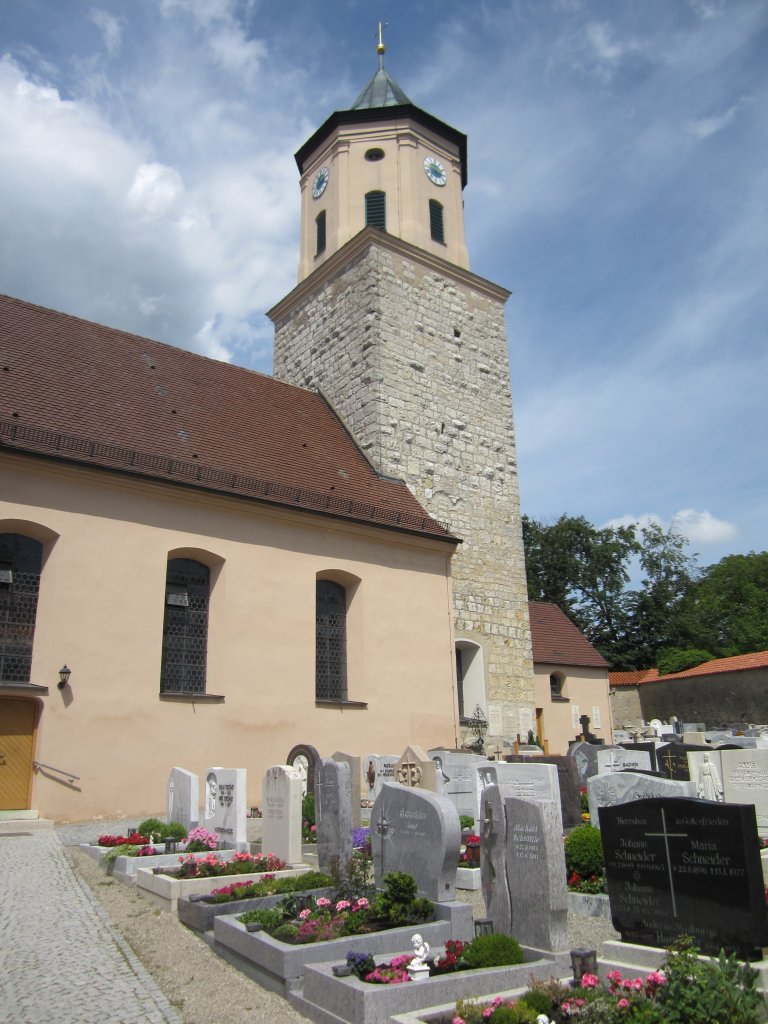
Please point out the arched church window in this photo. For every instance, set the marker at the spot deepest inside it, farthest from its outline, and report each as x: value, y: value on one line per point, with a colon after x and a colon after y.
x: 330, y: 641
x: 436, y: 221
x: 556, y: 684
x: 21, y: 560
x: 185, y: 627
x: 376, y: 210
x: 320, y: 226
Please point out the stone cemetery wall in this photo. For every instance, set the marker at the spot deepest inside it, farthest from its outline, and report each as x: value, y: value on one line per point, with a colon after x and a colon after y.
x: 415, y: 831
x: 713, y: 698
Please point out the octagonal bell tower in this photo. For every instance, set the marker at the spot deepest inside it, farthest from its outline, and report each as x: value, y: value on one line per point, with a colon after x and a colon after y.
x: 410, y: 346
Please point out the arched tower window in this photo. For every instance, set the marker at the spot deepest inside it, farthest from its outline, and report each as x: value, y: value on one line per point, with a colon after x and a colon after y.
x: 436, y: 221
x: 185, y: 627
x: 330, y: 641
x: 320, y: 229
x: 21, y: 560
x: 376, y: 210
x: 470, y: 677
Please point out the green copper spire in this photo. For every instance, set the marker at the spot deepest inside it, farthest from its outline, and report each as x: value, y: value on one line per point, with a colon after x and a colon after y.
x: 382, y: 90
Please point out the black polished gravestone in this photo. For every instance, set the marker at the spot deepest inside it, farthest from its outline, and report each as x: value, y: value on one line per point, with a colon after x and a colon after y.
x: 673, y: 760
x: 685, y: 867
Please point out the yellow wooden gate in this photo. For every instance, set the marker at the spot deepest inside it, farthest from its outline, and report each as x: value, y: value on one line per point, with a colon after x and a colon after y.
x: 17, y: 732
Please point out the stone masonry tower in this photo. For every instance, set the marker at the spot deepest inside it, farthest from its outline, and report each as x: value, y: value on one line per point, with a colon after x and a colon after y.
x: 410, y: 347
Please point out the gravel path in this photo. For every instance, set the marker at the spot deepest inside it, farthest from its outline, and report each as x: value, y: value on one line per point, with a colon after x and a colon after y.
x: 202, y: 987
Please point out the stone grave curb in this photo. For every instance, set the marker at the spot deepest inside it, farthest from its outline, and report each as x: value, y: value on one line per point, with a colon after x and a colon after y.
x: 586, y: 904
x: 431, y: 1014
x: 326, y: 999
x: 166, y: 891
x: 468, y: 878
x: 280, y: 965
x: 633, y: 959
x: 199, y: 916
x: 124, y: 868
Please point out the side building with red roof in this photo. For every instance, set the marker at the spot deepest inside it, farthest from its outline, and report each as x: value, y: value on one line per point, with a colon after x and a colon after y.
x: 215, y: 560
x: 570, y: 680
x: 723, y: 693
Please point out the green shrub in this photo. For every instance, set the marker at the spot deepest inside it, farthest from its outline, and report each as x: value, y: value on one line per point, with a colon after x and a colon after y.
x: 286, y: 932
x: 520, y: 1013
x: 175, y: 830
x: 153, y: 827
x: 470, y: 1011
x: 466, y: 820
x: 308, y: 809
x: 584, y: 852
x: 124, y: 850
x: 538, y: 1000
x: 702, y: 991
x: 492, y: 951
x: 398, y: 904
x: 271, y: 918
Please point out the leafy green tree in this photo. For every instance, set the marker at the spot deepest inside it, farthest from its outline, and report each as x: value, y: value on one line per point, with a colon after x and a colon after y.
x: 673, y: 659
x: 726, y: 610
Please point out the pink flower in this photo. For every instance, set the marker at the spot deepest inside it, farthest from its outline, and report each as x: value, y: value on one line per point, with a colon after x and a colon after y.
x: 304, y: 913
x: 614, y: 977
x: 323, y: 902
x: 623, y: 1004
x: 343, y: 905
x: 655, y: 978
x: 487, y: 1012
x: 589, y: 981
x: 637, y: 984
x: 362, y: 902
x: 458, y: 1020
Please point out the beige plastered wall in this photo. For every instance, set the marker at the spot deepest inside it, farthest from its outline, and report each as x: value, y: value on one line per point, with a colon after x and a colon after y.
x: 107, y: 539
x: 585, y: 688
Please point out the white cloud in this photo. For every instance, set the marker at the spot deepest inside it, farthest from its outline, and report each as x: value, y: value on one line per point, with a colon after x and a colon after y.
x: 706, y: 126
x: 703, y: 527
x: 110, y: 28
x: 155, y: 189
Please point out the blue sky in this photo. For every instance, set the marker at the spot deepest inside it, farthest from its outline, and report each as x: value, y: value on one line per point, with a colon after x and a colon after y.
x: 618, y: 166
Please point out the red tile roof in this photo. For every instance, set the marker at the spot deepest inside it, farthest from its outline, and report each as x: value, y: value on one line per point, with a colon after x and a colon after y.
x: 557, y: 641
x: 74, y: 390
x: 739, y: 663
x: 642, y: 675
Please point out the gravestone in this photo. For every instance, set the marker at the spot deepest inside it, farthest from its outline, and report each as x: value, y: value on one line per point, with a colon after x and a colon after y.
x: 493, y: 860
x: 677, y: 866
x: 355, y: 781
x: 536, y: 873
x: 377, y: 769
x: 745, y: 780
x: 649, y: 748
x: 281, y: 813
x: 333, y: 813
x: 626, y: 787
x: 706, y: 770
x: 618, y: 759
x: 225, y: 806
x: 305, y: 758
x: 418, y: 832
x: 526, y: 781
x: 585, y: 758
x: 672, y: 759
x: 184, y: 798
x: 415, y: 770
x: 568, y: 780
x: 696, y: 737
x: 456, y: 778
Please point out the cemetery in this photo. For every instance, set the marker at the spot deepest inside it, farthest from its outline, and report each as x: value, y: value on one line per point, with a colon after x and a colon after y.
x: 436, y: 886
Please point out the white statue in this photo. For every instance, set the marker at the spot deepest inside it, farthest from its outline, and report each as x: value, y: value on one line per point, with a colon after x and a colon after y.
x: 421, y: 949
x: 708, y: 785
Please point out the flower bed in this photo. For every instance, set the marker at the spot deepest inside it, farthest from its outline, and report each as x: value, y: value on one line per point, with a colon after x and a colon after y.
x: 279, y: 965
x: 166, y: 890
x: 357, y: 1002
x: 199, y: 914
x: 209, y: 866
x: 125, y: 869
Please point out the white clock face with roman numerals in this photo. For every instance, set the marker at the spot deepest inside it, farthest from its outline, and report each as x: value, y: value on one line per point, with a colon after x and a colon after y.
x: 435, y: 171
x: 321, y: 180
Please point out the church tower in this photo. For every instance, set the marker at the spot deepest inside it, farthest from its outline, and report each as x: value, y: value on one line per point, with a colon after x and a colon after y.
x: 410, y: 347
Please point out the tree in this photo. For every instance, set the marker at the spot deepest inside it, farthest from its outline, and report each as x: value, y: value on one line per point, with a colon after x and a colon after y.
x: 726, y: 610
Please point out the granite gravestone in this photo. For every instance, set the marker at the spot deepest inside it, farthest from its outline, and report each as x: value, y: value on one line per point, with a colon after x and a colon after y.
x: 745, y: 780
x: 672, y: 760
x: 625, y: 787
x: 377, y: 769
x: 225, y: 806
x: 355, y: 781
x: 456, y: 778
x: 184, y: 798
x: 536, y: 873
x: 585, y: 759
x: 415, y: 831
x: 706, y: 771
x: 281, y: 813
x: 493, y: 860
x: 619, y: 759
x: 333, y: 813
x: 305, y: 758
x: 526, y: 781
x: 415, y: 770
x: 648, y: 748
x: 677, y: 866
x: 568, y: 780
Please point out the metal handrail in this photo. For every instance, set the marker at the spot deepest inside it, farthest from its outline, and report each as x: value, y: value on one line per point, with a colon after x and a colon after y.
x: 70, y: 775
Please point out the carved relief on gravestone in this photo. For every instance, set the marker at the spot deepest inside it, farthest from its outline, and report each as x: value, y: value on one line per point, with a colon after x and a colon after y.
x: 415, y: 770
x: 415, y: 831
x: 225, y: 806
x: 333, y: 813
x: 493, y: 860
x: 305, y: 758
x: 378, y: 769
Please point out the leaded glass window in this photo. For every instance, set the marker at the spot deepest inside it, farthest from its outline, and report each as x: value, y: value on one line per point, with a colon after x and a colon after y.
x: 20, y: 565
x: 331, y: 641
x: 376, y: 210
x: 185, y: 627
x: 320, y: 224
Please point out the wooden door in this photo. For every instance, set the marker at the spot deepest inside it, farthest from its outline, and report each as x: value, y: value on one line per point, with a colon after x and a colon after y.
x: 17, y: 731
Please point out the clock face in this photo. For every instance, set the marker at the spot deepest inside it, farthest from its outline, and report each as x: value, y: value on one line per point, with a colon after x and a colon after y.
x: 435, y: 171
x: 321, y: 180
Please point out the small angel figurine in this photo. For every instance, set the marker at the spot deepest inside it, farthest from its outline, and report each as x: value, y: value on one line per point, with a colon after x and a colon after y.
x: 421, y: 949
